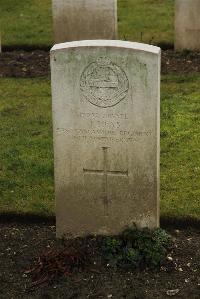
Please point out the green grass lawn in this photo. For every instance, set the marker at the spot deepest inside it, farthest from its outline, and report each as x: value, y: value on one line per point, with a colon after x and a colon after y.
x: 147, y: 21
x: 26, y: 136
x: 180, y: 151
x: 26, y: 146
x: 29, y: 22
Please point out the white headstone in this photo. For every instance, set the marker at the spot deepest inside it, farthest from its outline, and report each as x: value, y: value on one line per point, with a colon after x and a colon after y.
x: 84, y: 19
x: 106, y: 103
x: 187, y: 24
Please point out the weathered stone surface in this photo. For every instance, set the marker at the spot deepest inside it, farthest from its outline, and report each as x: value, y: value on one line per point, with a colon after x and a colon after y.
x: 187, y: 24
x: 84, y: 19
x: 106, y: 136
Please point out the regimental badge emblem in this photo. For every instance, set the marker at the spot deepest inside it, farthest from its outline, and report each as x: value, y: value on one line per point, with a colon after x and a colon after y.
x: 103, y: 83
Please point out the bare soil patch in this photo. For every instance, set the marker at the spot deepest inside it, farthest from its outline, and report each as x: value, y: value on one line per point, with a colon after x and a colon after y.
x: 36, y: 63
x: 180, y: 62
x: 24, y: 64
x: 22, y: 244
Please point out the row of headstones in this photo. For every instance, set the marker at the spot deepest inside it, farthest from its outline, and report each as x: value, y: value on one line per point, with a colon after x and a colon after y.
x: 106, y: 123
x: 106, y: 120
x: 97, y: 19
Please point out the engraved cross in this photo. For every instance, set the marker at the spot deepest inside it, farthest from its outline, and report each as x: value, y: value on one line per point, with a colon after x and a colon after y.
x: 105, y: 172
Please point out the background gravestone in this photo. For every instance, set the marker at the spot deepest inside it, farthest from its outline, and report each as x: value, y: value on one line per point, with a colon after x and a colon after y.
x: 84, y: 19
x: 106, y: 136
x: 187, y: 24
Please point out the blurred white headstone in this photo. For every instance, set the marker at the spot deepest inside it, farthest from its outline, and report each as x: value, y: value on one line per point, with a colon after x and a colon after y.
x: 84, y: 19
x: 187, y: 24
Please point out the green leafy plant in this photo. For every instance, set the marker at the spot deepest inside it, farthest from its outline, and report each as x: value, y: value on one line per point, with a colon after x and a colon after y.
x: 137, y: 248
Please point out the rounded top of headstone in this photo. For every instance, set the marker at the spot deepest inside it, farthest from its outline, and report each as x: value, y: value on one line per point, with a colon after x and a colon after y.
x: 108, y: 43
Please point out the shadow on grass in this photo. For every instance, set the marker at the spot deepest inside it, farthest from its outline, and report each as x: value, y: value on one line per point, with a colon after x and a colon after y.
x: 27, y: 48
x: 29, y: 218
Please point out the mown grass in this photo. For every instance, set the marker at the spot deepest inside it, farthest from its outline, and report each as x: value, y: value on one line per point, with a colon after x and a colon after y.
x: 26, y: 146
x: 180, y: 151
x: 29, y: 22
x: 26, y: 139
x: 147, y: 21
x: 26, y: 22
